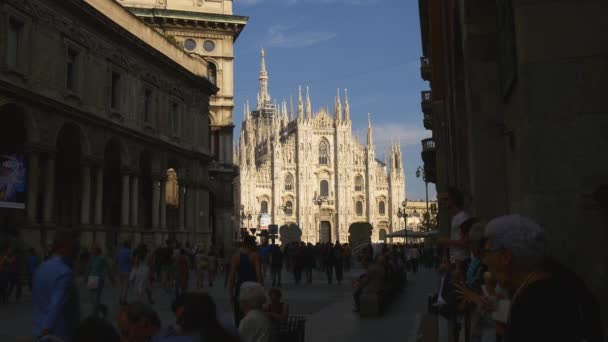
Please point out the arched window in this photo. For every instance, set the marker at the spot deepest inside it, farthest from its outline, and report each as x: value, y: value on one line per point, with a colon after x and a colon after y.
x: 381, y: 208
x: 288, y: 208
x: 289, y: 183
x: 359, y: 208
x: 212, y: 72
x: 359, y: 183
x: 324, y: 188
x: 264, y: 207
x: 324, y: 152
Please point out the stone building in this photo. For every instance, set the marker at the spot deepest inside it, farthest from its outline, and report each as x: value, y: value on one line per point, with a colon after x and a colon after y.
x: 519, y: 119
x: 107, y: 114
x: 311, y: 171
x: 207, y: 29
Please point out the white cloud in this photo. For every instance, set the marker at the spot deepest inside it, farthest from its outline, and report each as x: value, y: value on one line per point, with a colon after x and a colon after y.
x: 288, y: 37
x: 408, y: 135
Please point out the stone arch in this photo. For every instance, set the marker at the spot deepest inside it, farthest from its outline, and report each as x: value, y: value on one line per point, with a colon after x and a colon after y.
x: 85, y: 141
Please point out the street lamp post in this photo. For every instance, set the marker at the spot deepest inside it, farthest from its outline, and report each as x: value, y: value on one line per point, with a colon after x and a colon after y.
x: 401, y: 213
x: 420, y: 172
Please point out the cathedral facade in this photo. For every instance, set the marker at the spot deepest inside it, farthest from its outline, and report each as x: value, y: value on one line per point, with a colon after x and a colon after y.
x: 311, y: 171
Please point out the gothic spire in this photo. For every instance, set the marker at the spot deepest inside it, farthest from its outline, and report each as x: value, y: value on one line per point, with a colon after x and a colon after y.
x: 290, y: 107
x: 338, y: 108
x: 308, y: 105
x: 285, y: 111
x: 346, y: 106
x: 264, y: 96
x: 370, y: 138
x: 300, y: 107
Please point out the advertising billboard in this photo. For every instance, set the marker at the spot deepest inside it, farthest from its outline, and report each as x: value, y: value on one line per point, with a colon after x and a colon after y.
x: 265, y: 221
x: 12, y: 181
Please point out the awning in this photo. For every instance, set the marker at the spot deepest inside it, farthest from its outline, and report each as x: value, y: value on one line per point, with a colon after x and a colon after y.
x: 411, y: 234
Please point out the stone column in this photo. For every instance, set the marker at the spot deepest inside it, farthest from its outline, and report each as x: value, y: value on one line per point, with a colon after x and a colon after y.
x: 85, y: 209
x: 32, y: 183
x: 163, y: 204
x: 182, y: 207
x: 155, y: 202
x: 135, y: 201
x: 49, y: 197
x: 98, y: 196
x: 124, y: 218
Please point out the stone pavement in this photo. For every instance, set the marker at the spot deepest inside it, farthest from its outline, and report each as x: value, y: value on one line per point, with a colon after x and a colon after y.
x: 400, y: 322
x: 328, y: 309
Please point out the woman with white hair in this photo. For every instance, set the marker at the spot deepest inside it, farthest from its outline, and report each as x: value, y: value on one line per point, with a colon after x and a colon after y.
x: 548, y: 302
x: 255, y: 326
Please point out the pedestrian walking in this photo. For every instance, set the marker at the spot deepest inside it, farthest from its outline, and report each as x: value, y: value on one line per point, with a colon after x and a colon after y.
x: 309, y: 261
x: 329, y: 261
x: 98, y: 269
x: 123, y: 261
x: 347, y: 254
x: 202, y: 264
x: 182, y: 266
x: 297, y: 257
x: 139, y: 279
x: 338, y: 262
x: 276, y: 265
x: 244, y: 267
x: 14, y: 267
x: 414, y: 258
x: 55, y: 299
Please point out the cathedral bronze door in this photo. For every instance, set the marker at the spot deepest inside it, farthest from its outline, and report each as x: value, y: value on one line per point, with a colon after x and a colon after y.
x: 325, y: 233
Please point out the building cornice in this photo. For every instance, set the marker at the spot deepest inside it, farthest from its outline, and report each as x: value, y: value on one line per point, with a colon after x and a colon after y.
x: 185, y: 19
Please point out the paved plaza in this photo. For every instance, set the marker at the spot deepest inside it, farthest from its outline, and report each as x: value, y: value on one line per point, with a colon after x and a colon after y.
x: 328, y: 309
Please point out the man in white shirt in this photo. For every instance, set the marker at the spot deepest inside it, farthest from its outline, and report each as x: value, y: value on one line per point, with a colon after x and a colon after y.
x: 456, y: 243
x: 255, y: 326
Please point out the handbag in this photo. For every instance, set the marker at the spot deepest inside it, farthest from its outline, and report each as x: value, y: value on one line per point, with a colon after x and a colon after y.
x: 92, y: 282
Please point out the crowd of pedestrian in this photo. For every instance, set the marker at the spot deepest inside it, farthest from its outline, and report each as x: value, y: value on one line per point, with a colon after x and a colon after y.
x: 498, y: 284
x: 56, y: 299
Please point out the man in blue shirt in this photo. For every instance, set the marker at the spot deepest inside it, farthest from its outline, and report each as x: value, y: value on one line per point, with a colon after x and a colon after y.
x: 55, y: 295
x: 123, y: 259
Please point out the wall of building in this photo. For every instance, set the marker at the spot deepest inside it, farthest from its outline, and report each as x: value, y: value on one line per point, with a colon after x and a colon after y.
x: 103, y: 88
x: 520, y: 120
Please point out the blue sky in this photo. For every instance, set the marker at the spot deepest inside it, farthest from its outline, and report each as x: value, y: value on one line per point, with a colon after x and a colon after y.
x: 370, y: 47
